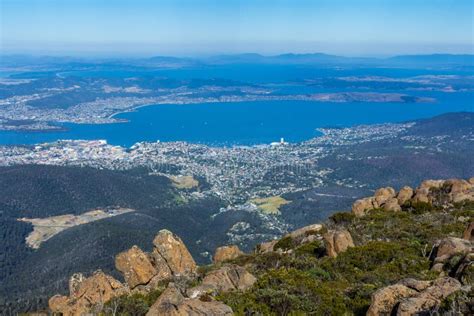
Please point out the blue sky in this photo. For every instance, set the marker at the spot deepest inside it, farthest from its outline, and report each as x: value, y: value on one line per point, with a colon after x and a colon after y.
x: 196, y: 27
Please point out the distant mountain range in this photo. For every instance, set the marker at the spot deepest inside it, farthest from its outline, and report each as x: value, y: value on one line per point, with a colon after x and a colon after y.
x: 435, y: 60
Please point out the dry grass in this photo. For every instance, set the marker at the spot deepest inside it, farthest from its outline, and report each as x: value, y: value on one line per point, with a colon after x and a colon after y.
x: 270, y: 205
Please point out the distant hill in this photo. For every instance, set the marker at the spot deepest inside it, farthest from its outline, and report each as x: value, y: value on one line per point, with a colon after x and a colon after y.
x: 321, y: 58
x: 422, y: 60
x: 434, y: 59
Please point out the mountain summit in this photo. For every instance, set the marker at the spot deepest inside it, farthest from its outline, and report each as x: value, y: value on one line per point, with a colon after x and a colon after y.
x: 405, y: 253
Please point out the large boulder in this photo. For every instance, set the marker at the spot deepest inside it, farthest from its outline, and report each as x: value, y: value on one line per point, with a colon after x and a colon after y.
x: 451, y: 246
x: 404, y: 195
x: 411, y: 297
x: 423, y: 192
x: 136, y: 266
x: 59, y: 304
x: 87, y: 294
x: 392, y: 205
x: 304, y: 231
x: 224, y: 279
x: 170, y: 249
x: 429, y: 298
x: 460, y: 190
x: 382, y: 195
x: 168, y: 302
x: 431, y: 184
x: 422, y: 195
x: 226, y: 253
x: 204, y: 308
x: 385, y: 299
x: 361, y: 206
x: 337, y: 241
x: 458, y: 185
x: 173, y: 303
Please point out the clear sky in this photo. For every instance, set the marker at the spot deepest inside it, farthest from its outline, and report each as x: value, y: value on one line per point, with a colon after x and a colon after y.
x: 193, y: 27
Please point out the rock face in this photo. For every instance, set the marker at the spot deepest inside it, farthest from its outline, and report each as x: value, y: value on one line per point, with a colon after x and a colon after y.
x: 227, y: 278
x: 142, y: 272
x: 451, y: 246
x: 88, y: 293
x: 392, y: 205
x: 304, y: 231
x: 384, y: 299
x: 337, y: 241
x: 74, y: 282
x: 465, y: 270
x: 382, y: 195
x: 135, y: 266
x: 460, y: 190
x: 437, y: 192
x: 226, y: 253
x: 469, y: 232
x: 404, y: 195
x: 173, y: 303
x: 170, y: 248
x: 360, y: 207
x: 410, y: 297
x: 429, y: 298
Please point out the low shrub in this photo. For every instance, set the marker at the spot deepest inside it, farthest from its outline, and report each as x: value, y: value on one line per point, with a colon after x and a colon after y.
x: 342, y: 218
x: 286, y: 243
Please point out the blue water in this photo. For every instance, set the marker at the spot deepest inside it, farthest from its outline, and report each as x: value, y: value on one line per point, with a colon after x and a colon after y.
x: 248, y: 123
x: 245, y: 123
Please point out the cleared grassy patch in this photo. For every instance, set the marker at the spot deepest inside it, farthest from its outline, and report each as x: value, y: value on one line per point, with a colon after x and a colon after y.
x: 184, y: 182
x: 270, y: 205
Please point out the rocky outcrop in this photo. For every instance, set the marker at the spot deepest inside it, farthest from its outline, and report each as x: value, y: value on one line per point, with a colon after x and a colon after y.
x: 87, y: 294
x: 172, y: 302
x: 142, y: 272
x: 227, y: 278
x: 392, y: 205
x: 451, y: 246
x: 382, y: 195
x: 411, y: 297
x: 436, y: 192
x: 74, y: 283
x: 361, y: 206
x: 451, y: 252
x: 299, y: 236
x: 465, y: 270
x: 169, y: 249
x: 337, y: 241
x: 429, y: 298
x: 305, y: 231
x: 404, y: 195
x: 135, y: 266
x: 461, y: 190
x: 385, y: 299
x: 226, y: 253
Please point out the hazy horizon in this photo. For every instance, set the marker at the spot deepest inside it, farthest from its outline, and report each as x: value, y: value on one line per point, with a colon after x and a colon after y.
x: 368, y: 28
x: 118, y: 55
